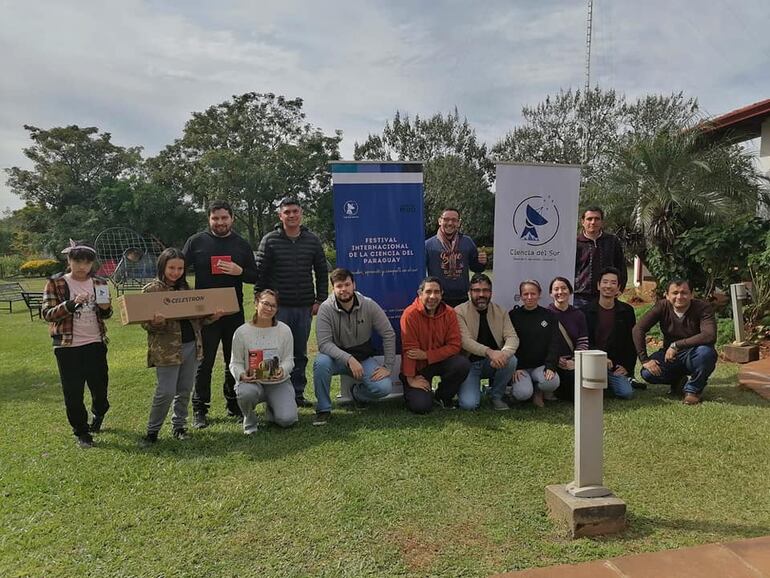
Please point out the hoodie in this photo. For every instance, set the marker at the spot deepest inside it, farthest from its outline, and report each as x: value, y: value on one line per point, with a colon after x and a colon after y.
x: 339, y: 331
x: 438, y: 335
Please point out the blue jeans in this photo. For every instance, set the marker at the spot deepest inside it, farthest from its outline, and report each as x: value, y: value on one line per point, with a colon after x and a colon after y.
x: 299, y: 320
x: 620, y: 385
x: 696, y: 362
x: 469, y: 395
x: 324, y: 367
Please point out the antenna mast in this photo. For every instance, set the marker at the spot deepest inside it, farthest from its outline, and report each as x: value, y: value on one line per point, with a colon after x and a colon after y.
x: 589, y: 28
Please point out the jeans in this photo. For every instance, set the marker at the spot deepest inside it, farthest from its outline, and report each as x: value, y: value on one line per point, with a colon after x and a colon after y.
x: 620, y: 385
x: 299, y: 320
x: 175, y: 383
x: 453, y: 371
x: 696, y: 362
x: 470, y: 389
x: 324, y: 367
x: 524, y: 387
x: 221, y: 330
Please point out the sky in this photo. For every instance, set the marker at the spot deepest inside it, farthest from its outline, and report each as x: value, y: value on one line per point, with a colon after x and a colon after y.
x: 138, y: 68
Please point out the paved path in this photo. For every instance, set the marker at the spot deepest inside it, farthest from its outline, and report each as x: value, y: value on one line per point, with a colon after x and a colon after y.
x: 744, y: 559
x: 756, y: 376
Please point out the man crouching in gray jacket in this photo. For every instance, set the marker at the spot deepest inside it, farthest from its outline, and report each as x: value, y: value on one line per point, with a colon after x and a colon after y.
x: 343, y: 330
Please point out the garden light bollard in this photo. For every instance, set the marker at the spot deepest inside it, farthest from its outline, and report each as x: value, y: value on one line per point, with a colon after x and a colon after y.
x: 590, y: 383
x: 738, y: 296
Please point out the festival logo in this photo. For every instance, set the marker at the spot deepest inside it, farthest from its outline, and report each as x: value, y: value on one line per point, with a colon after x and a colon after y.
x: 536, y: 220
x: 350, y: 209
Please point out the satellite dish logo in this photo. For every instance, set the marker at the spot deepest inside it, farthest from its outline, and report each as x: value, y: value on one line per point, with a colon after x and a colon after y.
x: 350, y: 208
x: 536, y: 220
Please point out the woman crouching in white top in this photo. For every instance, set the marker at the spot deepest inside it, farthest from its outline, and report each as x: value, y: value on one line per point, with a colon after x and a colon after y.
x: 261, y: 363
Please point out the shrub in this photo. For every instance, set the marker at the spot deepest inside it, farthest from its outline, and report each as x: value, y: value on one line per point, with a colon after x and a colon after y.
x: 40, y: 267
x: 331, y: 256
x: 10, y: 265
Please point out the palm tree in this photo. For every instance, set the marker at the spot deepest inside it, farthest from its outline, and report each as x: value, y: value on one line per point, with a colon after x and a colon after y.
x: 662, y: 185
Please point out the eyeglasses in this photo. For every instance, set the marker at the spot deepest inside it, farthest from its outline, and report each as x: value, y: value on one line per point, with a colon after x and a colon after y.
x: 268, y: 305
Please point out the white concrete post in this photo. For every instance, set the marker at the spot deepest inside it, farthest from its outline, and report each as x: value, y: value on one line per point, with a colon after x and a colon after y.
x: 590, y: 383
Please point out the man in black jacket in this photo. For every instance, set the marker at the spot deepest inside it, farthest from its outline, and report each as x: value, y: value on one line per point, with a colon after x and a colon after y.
x: 220, y: 258
x: 287, y: 258
x: 610, y: 325
x: 596, y: 250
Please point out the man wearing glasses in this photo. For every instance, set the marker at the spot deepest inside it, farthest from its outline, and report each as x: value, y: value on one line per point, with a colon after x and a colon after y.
x: 490, y: 341
x: 344, y: 334
x: 450, y: 255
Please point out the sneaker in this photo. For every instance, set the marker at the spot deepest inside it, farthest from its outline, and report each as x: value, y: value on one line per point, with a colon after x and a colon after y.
x: 200, y: 421
x: 500, y: 405
x: 85, y: 441
x: 636, y: 384
x: 322, y: 418
x: 96, y: 425
x: 355, y: 403
x: 180, y: 434
x: 550, y: 396
x: 537, y: 399
x: 148, y: 440
x: 691, y: 399
x: 302, y: 402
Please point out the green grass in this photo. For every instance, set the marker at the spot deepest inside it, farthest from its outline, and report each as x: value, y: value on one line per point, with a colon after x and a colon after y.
x: 374, y: 493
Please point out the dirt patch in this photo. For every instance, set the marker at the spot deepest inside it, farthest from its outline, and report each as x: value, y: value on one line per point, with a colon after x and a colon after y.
x: 417, y: 550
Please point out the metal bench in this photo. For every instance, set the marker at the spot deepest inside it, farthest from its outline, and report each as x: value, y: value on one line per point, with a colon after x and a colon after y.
x: 10, y: 292
x: 34, y: 301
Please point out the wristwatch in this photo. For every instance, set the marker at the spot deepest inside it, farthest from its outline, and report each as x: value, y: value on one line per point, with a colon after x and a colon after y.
x: 673, y: 345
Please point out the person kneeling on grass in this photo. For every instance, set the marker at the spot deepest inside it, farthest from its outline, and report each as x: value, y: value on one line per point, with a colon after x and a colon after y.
x: 538, y: 348
x: 430, y: 338
x: 610, y: 324
x: 344, y: 333
x: 689, y: 329
x: 490, y: 342
x: 174, y: 349
x: 75, y: 304
x: 261, y: 363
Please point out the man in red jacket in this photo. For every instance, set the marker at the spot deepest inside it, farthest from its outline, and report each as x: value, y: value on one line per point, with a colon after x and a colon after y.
x: 430, y: 346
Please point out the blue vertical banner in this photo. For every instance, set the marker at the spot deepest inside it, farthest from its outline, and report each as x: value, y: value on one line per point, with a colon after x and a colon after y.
x: 378, y: 220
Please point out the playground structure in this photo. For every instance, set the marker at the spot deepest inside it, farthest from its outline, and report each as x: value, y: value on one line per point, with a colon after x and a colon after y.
x: 126, y: 258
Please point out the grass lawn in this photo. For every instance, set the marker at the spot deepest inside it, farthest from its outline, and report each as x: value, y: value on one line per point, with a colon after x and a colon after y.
x: 374, y: 493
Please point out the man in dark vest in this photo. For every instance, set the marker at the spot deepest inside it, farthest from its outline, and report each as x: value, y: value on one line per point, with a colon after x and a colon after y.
x: 287, y: 260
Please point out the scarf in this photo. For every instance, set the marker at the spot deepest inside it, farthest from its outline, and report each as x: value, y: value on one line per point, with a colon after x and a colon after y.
x: 450, y: 254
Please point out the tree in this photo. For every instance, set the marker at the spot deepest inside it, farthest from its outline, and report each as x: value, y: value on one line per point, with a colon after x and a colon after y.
x: 585, y: 128
x: 70, y: 165
x: 457, y: 170
x: 661, y: 186
x: 251, y: 150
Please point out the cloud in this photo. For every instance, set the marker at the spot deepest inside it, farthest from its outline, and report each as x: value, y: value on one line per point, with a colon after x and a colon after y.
x: 138, y: 68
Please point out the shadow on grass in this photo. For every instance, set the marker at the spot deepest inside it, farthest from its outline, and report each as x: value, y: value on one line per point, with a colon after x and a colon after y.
x: 645, y: 526
x: 16, y: 385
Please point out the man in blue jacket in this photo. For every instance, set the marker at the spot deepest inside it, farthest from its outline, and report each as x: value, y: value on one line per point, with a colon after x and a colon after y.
x: 450, y: 255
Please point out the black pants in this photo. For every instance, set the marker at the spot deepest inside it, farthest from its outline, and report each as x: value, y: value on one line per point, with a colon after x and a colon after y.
x: 566, y: 389
x: 78, y: 366
x: 452, y: 371
x: 221, y: 330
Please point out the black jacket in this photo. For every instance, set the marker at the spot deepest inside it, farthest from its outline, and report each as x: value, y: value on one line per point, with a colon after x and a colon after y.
x: 287, y: 266
x: 592, y: 257
x: 201, y: 247
x: 620, y: 343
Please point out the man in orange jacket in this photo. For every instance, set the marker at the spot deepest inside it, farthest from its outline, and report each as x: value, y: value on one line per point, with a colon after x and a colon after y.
x: 430, y: 346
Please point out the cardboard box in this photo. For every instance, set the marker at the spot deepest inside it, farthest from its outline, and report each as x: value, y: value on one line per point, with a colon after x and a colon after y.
x: 139, y: 307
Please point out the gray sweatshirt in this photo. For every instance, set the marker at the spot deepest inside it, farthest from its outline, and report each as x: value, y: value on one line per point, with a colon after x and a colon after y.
x: 336, y: 329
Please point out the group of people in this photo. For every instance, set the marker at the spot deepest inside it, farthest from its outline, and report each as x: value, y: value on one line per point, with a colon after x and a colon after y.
x: 453, y: 330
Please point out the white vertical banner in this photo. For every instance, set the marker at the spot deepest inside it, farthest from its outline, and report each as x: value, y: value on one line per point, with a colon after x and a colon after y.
x: 536, y: 216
